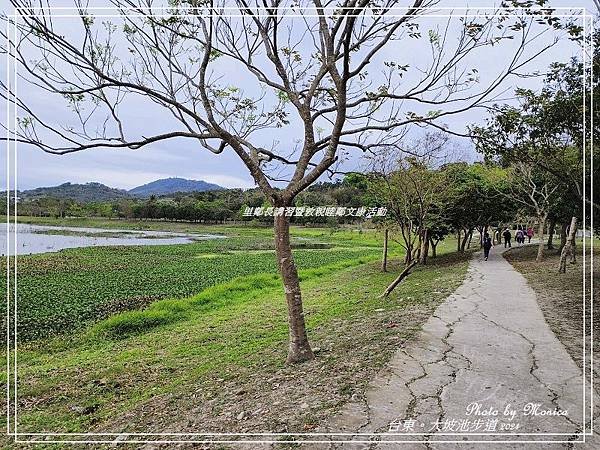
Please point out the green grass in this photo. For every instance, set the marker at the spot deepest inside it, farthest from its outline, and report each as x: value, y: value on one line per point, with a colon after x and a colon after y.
x: 68, y: 290
x: 223, y: 334
x: 125, y: 327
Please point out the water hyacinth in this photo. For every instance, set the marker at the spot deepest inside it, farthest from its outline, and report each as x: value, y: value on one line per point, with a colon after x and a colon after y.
x: 62, y: 292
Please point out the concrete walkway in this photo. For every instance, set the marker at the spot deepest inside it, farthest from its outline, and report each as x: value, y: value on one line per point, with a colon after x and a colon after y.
x: 481, y: 364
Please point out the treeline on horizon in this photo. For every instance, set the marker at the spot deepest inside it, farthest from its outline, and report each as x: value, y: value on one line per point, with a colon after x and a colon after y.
x: 469, y: 197
x: 217, y: 206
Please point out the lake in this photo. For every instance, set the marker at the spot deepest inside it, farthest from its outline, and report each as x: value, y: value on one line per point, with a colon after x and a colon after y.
x: 41, y: 239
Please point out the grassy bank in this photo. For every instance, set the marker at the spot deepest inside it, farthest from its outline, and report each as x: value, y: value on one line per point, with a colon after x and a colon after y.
x: 193, y: 337
x: 60, y: 292
x: 70, y: 289
x: 219, y: 366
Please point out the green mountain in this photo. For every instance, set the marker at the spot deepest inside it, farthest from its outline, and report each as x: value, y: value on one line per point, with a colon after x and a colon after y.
x: 171, y: 186
x: 98, y: 192
x: 87, y: 192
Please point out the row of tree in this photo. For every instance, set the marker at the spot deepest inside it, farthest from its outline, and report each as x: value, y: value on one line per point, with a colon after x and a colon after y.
x: 211, y: 206
x: 538, y: 155
x: 185, y: 207
x: 426, y: 204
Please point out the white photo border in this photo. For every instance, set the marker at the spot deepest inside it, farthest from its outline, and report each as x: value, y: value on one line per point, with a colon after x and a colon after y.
x: 11, y: 275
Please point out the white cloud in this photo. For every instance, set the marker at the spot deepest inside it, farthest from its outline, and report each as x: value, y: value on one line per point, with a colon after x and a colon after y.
x: 226, y: 180
x: 126, y: 169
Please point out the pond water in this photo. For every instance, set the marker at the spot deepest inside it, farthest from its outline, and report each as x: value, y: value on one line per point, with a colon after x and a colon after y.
x: 41, y: 239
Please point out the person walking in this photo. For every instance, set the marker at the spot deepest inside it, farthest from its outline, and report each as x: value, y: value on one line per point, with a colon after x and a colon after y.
x: 519, y: 236
x: 529, y: 234
x: 507, y: 237
x: 487, y: 245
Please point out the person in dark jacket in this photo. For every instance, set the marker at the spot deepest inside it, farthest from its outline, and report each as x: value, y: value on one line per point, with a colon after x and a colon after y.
x: 487, y: 245
x: 507, y: 237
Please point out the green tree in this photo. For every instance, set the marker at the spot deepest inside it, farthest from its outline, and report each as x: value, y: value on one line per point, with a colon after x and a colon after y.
x: 546, y: 128
x: 473, y: 199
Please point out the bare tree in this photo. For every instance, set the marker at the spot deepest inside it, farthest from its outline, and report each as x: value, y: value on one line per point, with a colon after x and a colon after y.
x: 310, y: 74
x: 533, y: 190
x: 408, y: 187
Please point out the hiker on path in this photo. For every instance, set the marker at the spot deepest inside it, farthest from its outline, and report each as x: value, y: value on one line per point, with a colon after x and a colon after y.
x: 520, y: 237
x: 529, y: 234
x: 487, y: 245
x: 507, y: 237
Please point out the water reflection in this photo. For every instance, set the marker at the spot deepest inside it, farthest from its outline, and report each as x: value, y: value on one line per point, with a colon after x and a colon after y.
x: 41, y: 239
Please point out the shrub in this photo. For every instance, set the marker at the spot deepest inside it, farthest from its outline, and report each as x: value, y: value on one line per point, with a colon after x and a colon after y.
x: 135, y: 322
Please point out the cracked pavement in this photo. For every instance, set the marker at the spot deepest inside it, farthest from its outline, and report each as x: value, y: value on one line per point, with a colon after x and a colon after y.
x: 489, y: 344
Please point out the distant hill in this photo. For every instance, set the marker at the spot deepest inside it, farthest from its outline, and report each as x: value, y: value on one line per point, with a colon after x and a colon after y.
x: 87, y: 192
x: 171, y: 186
x: 98, y: 192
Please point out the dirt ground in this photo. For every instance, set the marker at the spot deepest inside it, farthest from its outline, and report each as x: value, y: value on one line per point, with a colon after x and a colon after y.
x: 561, y: 297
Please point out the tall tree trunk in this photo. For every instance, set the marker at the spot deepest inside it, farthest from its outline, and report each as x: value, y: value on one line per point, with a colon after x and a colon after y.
x: 433, y: 244
x: 573, y: 249
x: 568, y: 249
x: 482, y: 230
x: 385, y: 250
x: 540, y: 253
x: 458, y: 246
x: 551, y: 228
x: 463, y: 244
x: 409, y: 254
x: 299, y: 348
x: 470, y: 238
x: 424, y: 247
x: 563, y: 235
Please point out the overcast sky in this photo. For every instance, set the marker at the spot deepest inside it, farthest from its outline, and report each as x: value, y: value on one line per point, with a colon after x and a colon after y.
x: 185, y: 158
